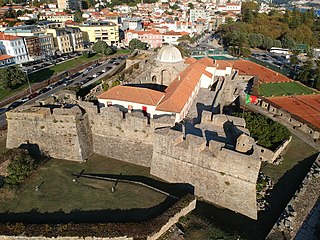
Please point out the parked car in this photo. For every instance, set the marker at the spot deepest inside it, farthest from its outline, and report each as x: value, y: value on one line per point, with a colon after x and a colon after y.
x: 43, y: 90
x: 14, y: 105
x: 3, y: 110
x: 24, y: 99
x: 75, y: 75
x: 33, y: 95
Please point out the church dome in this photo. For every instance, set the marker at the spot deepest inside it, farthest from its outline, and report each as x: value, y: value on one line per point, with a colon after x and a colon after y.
x: 169, y: 54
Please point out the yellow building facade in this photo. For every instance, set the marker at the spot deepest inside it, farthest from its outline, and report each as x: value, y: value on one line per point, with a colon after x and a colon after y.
x: 104, y: 31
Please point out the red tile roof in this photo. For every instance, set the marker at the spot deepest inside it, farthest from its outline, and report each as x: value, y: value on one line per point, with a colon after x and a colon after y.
x: 133, y: 94
x: 190, y: 60
x: 4, y: 57
x: 306, y: 107
x: 179, y: 91
x: 223, y: 64
x: 8, y: 37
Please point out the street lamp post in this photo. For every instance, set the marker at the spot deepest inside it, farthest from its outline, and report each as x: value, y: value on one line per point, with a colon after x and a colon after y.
x: 28, y: 82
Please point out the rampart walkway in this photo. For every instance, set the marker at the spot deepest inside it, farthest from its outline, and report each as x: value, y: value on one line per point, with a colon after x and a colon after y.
x: 296, y: 132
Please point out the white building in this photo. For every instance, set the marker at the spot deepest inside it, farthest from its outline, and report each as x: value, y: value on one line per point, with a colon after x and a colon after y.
x: 195, y: 14
x: 178, y: 96
x: 15, y: 47
x: 172, y: 37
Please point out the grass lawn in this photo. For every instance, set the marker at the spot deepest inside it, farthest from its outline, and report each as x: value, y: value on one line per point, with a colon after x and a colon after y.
x: 48, y: 72
x: 285, y: 88
x: 58, y: 192
x: 295, y: 153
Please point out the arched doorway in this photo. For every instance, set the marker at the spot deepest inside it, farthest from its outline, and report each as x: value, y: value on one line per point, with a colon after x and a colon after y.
x: 154, y: 79
x: 165, y: 77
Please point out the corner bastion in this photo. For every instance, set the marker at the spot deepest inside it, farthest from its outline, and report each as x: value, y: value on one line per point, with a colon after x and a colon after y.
x: 220, y: 175
x: 62, y: 133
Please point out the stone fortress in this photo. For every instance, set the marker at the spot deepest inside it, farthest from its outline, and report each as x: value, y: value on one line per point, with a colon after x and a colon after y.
x: 215, y: 153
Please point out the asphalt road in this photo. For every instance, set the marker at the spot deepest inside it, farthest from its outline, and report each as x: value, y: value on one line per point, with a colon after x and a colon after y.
x: 76, y: 80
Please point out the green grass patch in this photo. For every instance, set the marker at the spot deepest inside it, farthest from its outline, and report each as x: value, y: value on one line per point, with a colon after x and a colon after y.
x: 297, y: 151
x: 58, y: 192
x: 285, y: 88
x: 49, y: 72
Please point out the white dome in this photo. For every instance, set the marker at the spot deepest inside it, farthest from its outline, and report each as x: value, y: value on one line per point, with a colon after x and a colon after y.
x: 169, y: 54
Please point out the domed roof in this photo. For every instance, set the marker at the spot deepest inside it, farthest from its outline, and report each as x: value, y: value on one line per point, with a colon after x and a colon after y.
x: 169, y: 54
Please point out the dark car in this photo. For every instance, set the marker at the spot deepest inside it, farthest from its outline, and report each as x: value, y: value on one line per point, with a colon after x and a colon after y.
x: 84, y: 81
x: 43, y: 90
x: 14, y: 105
x: 75, y: 75
x: 3, y: 110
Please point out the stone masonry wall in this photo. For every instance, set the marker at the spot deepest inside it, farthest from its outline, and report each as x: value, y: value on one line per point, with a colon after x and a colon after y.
x: 126, y: 137
x: 60, y: 134
x: 223, y: 177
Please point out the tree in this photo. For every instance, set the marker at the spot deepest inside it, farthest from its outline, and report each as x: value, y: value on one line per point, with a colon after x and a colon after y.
x: 190, y: 5
x: 255, y: 40
x: 137, y: 44
x: 267, y: 132
x: 287, y: 42
x: 20, y: 166
x: 102, y: 47
x: 277, y: 43
x: 306, y: 74
x: 267, y: 43
x: 247, y: 16
x: 294, y: 59
x: 11, y: 77
x: 78, y: 16
x: 86, y: 54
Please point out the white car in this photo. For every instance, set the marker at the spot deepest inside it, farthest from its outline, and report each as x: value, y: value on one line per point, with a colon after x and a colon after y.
x: 24, y: 99
x: 95, y: 75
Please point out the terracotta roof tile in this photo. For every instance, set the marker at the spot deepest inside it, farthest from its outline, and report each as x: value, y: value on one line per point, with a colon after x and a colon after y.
x: 209, y: 62
x: 8, y: 37
x: 223, y: 64
x: 190, y: 60
x: 4, y: 57
x: 179, y: 91
x: 133, y: 94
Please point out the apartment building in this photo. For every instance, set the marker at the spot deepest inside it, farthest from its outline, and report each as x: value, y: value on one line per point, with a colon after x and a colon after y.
x: 57, y: 17
x: 6, y: 60
x: 104, y: 31
x: 45, y: 41
x: 131, y: 24
x: 61, y: 39
x: 76, y: 38
x: 14, y: 46
x: 153, y: 38
x: 196, y: 14
x: 69, y: 4
x: 33, y: 48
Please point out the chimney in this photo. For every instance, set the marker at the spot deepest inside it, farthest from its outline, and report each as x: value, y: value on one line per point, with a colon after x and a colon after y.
x: 179, y: 78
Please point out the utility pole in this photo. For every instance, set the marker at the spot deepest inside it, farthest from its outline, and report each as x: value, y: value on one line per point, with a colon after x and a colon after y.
x: 28, y: 82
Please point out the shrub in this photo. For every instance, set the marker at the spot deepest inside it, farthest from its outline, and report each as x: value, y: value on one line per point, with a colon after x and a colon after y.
x: 20, y: 166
